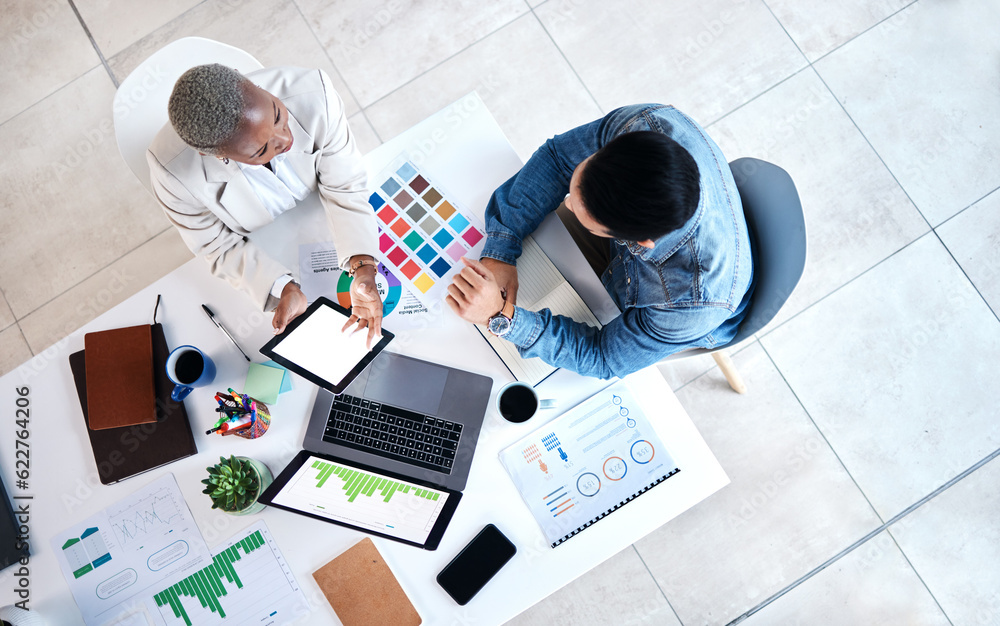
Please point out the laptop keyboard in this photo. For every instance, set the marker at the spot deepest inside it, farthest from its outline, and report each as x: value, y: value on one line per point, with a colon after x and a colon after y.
x: 393, y: 433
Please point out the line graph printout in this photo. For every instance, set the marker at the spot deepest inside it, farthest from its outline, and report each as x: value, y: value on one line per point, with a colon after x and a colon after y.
x: 587, y: 463
x: 247, y: 582
x: 367, y: 500
x: 133, y: 545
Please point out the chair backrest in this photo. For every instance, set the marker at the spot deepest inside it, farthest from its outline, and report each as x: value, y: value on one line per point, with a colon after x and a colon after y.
x: 140, y: 104
x: 774, y: 216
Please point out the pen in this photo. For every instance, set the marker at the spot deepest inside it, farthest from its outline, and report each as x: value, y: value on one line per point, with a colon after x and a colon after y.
x: 211, y: 316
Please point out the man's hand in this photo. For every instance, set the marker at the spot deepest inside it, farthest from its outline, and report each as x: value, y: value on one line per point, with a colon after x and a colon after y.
x: 506, y: 277
x: 292, y: 304
x: 474, y: 293
x: 366, y: 306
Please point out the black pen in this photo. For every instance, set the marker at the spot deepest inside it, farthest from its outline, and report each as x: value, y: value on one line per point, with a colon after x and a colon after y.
x: 211, y: 316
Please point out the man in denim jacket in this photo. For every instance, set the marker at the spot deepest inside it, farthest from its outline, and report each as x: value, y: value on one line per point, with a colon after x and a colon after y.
x: 651, y: 200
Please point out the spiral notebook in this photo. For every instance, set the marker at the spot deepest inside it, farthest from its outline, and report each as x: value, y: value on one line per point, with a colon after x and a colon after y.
x: 587, y: 463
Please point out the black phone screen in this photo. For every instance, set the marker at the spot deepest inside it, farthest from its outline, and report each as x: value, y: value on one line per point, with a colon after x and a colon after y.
x: 476, y: 564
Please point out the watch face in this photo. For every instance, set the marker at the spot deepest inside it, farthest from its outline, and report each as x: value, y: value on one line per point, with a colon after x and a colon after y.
x: 499, y: 325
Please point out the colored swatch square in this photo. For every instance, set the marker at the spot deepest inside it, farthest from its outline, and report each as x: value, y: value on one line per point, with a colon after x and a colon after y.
x: 432, y: 197
x: 459, y: 223
x: 406, y: 172
x: 472, y: 236
x: 403, y: 199
x: 426, y: 253
x: 384, y: 243
x: 440, y: 267
x: 413, y: 240
x: 400, y: 227
x: 376, y: 201
x: 429, y: 225
x: 390, y: 186
x: 443, y: 238
x: 445, y: 210
x: 419, y: 183
x: 387, y: 214
x: 456, y: 251
x: 410, y: 269
x: 416, y: 212
x: 397, y: 256
x: 423, y: 283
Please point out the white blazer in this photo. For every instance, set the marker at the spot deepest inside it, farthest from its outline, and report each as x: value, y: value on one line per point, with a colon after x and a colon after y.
x: 214, y: 207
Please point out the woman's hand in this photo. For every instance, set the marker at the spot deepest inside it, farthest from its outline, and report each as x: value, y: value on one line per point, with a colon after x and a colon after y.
x: 292, y: 304
x: 366, y: 305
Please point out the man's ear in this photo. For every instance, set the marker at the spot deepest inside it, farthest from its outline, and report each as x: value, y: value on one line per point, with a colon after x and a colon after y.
x: 647, y: 243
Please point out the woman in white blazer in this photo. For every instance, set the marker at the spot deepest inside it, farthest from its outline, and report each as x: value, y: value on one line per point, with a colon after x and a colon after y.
x: 239, y: 151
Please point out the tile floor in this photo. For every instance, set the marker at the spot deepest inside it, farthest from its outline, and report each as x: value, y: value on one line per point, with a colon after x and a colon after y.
x: 864, y: 478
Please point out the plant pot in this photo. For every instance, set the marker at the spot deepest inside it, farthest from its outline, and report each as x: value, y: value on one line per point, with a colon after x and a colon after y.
x: 264, y: 477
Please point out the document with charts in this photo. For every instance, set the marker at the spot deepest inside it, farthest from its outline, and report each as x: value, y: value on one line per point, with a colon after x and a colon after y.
x: 135, y: 545
x: 540, y: 286
x: 587, y: 463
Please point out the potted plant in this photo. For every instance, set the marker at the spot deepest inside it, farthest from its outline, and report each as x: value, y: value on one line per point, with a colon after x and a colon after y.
x: 234, y: 484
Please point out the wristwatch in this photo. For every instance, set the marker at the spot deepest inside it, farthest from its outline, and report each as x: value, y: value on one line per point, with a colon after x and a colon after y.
x: 500, y: 323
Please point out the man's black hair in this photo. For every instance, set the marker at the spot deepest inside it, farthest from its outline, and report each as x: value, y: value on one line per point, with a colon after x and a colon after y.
x: 640, y: 185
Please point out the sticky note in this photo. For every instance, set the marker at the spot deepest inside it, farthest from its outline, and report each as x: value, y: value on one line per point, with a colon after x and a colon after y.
x: 263, y: 383
x: 286, y: 380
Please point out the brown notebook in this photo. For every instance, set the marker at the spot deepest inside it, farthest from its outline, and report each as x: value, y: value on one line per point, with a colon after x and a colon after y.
x: 362, y: 589
x: 123, y: 452
x: 120, y: 389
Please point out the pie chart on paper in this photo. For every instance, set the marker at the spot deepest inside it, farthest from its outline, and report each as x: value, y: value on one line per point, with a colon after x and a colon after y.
x: 389, y: 289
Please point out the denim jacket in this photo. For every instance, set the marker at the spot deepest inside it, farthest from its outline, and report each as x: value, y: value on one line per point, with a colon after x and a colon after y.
x: 690, y: 290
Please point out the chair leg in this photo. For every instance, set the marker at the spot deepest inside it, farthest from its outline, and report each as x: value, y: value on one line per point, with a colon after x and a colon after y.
x: 729, y: 370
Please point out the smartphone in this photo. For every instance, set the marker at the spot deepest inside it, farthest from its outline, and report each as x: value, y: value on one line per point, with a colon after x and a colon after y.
x: 476, y: 564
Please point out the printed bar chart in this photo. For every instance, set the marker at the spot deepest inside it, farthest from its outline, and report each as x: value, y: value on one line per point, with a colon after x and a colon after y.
x: 360, y: 483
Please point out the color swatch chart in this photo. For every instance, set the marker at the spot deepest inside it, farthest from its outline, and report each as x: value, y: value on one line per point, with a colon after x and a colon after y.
x: 341, y: 493
x: 248, y: 582
x: 422, y: 231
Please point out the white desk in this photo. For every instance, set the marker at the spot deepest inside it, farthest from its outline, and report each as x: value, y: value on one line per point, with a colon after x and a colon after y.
x: 463, y: 149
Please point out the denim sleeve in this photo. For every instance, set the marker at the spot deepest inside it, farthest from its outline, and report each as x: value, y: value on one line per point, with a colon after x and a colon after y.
x: 519, y: 205
x: 636, y: 339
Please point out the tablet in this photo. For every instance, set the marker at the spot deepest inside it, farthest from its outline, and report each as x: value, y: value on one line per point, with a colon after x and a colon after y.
x: 313, y: 346
x: 374, y: 501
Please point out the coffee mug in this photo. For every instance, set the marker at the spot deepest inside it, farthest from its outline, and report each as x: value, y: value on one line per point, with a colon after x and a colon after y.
x: 188, y: 367
x: 517, y: 402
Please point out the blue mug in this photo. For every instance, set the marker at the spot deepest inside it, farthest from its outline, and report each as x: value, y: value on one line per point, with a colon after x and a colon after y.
x: 188, y: 367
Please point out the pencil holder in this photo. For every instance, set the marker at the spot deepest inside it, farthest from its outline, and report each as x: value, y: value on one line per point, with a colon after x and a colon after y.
x: 261, y: 422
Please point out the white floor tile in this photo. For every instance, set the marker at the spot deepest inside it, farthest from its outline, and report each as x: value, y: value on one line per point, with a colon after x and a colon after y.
x: 529, y: 106
x: 105, y: 289
x: 6, y: 315
x: 873, y: 585
x: 790, y: 505
x: 275, y: 33
x: 115, y: 25
x: 819, y: 27
x: 898, y: 371
x: 706, y: 58
x: 618, y: 591
x: 953, y: 542
x: 72, y: 205
x: 972, y: 237
x: 44, y: 47
x: 856, y: 214
x: 13, y: 349
x: 927, y: 103
x: 381, y: 46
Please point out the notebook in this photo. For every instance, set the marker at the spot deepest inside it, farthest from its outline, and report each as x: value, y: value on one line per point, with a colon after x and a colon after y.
x: 119, y: 366
x: 362, y: 589
x: 126, y: 451
x: 540, y: 286
x: 587, y: 463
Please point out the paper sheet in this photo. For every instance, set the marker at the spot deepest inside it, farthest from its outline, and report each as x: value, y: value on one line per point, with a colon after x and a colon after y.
x: 129, y: 548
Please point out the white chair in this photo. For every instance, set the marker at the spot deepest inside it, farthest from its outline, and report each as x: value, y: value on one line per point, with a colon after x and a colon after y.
x: 140, y: 104
x: 778, y: 232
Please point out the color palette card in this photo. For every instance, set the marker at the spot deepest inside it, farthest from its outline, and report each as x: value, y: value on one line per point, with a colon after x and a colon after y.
x: 423, y: 231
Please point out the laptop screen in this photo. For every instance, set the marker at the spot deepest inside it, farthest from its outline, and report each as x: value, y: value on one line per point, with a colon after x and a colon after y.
x: 364, y: 499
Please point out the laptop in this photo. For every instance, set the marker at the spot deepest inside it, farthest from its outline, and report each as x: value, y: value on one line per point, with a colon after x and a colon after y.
x: 395, y: 418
